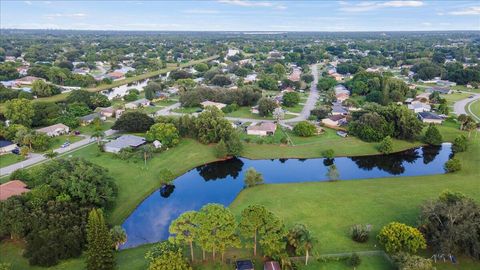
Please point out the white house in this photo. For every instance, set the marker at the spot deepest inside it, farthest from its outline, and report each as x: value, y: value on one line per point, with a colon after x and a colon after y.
x: 262, y: 129
x: 218, y: 105
x: 124, y: 141
x: 54, y: 130
x: 417, y: 106
x: 143, y: 102
x: 430, y: 118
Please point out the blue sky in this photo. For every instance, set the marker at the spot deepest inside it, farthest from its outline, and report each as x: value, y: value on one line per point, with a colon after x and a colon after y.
x: 242, y: 15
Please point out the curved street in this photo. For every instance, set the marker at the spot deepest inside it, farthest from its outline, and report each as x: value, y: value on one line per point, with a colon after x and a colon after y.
x: 459, y: 106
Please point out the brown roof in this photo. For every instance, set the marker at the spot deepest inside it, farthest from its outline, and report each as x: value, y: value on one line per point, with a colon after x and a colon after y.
x: 12, y: 188
x: 336, y: 117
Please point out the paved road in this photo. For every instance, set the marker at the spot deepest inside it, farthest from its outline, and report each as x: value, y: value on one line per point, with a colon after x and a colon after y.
x: 38, y: 158
x: 459, y: 106
x: 311, y: 101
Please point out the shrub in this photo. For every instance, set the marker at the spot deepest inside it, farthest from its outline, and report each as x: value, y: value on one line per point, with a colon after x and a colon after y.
x: 453, y: 165
x: 329, y: 153
x: 354, y: 260
x: 284, y: 140
x: 406, y: 261
x: 433, y: 136
x: 460, y: 144
x: 360, y: 233
x: 397, y: 237
x: 386, y: 145
x: 304, y: 129
x: 253, y: 178
x: 221, y: 150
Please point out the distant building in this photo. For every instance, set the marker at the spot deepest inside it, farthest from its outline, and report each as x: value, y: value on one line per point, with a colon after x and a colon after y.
x: 116, y: 75
x: 12, y: 188
x: 430, y: 118
x: 262, y: 129
x: 441, y: 90
x: 417, y: 106
x: 335, y: 121
x: 143, y: 102
x: 124, y: 141
x: 295, y: 75
x: 87, y: 119
x: 218, y: 105
x: 54, y: 130
x: 27, y: 80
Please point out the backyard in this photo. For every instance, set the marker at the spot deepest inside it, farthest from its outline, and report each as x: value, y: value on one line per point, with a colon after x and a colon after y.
x: 9, y: 159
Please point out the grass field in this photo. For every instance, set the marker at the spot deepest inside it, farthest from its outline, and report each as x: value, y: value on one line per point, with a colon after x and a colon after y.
x: 89, y: 129
x: 244, y: 112
x: 9, y: 159
x: 330, y: 209
x: 474, y: 108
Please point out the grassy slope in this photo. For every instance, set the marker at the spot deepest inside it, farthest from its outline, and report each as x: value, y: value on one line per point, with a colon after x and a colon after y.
x: 329, y: 209
x: 135, y: 181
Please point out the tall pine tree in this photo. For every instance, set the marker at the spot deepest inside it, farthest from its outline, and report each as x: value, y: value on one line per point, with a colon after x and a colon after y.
x: 100, y: 253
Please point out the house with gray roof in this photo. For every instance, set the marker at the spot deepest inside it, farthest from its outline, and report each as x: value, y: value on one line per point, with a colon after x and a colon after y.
x: 124, y: 141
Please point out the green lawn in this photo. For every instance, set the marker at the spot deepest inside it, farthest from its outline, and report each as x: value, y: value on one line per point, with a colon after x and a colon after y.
x: 295, y: 109
x: 329, y: 209
x: 244, y: 112
x: 187, y: 109
x: 474, y: 108
x: 9, y: 159
x: 454, y: 97
x: 59, y: 140
x: 166, y: 102
x: 89, y: 129
x: 367, y: 263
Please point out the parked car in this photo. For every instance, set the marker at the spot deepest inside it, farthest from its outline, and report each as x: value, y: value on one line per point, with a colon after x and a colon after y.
x: 16, y: 151
x: 76, y: 132
x: 471, y: 96
x: 66, y: 144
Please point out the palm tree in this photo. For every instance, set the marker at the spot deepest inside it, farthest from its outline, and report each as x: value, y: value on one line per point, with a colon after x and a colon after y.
x: 51, y: 154
x: 147, y: 151
x: 301, y: 239
x: 98, y: 135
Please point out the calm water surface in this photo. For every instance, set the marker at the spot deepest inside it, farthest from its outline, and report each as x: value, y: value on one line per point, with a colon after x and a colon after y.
x: 220, y: 182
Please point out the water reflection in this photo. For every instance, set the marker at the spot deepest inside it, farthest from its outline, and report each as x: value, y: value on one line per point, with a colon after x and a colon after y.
x: 393, y: 163
x: 221, y: 169
x: 220, y: 182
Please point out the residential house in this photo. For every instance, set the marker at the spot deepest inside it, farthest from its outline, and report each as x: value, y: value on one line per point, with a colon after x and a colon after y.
x: 107, y: 112
x: 341, y: 89
x: 430, y: 117
x: 335, y: 121
x: 446, y: 83
x: 12, y: 188
x: 232, y: 52
x: 7, y: 147
x: 157, y: 144
x: 143, y: 102
x: 417, y: 106
x: 338, y: 109
x: 27, y: 80
x: 295, y: 75
x: 54, y: 130
x: 250, y: 78
x: 337, y: 76
x: 254, y: 110
x: 262, y: 129
x: 123, y: 142
x: 88, y: 119
x: 116, y: 75
x: 423, y: 97
x: 441, y: 90
x: 341, y: 97
x: 218, y: 105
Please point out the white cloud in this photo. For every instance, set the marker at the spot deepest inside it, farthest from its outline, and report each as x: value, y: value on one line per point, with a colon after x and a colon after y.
x: 65, y: 15
x: 467, y: 11
x: 28, y: 2
x: 427, y: 24
x: 201, y: 11
x: 367, y: 5
x: 246, y: 3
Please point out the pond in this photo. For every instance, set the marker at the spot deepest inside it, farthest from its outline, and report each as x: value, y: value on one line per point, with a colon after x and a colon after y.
x: 220, y: 182
x: 122, y: 90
